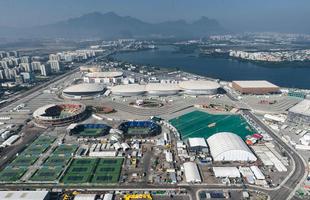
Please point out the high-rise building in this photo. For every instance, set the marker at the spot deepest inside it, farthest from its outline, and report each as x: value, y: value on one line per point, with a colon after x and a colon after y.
x: 45, y: 70
x: 24, y: 59
x: 55, y: 66
x: 3, y: 64
x: 53, y: 57
x: 35, y: 65
x: 26, y: 67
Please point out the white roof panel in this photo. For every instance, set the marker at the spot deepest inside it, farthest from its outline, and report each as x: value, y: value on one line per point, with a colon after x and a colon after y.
x: 194, y: 142
x: 227, y: 146
x: 255, y: 84
x: 191, y: 172
x: 231, y: 172
x: 302, y: 108
x: 23, y: 195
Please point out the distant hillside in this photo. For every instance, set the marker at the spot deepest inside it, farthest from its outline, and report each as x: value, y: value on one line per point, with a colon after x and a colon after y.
x: 111, y: 25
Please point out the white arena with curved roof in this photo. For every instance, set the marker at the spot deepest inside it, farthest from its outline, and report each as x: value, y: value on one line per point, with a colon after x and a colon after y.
x: 128, y: 90
x: 226, y: 146
x: 196, y: 87
x: 83, y: 91
x: 199, y: 87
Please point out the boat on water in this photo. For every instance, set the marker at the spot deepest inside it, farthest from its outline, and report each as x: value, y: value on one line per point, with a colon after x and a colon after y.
x: 211, y: 125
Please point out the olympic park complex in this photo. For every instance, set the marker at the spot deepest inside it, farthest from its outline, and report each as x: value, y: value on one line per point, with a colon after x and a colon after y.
x: 194, y: 87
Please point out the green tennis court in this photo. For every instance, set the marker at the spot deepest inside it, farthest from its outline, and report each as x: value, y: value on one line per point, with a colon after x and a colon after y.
x: 23, y: 161
x: 47, y: 174
x: 65, y: 149
x: 56, y: 161
x: 10, y: 174
x: 92, y: 170
x: 202, y: 124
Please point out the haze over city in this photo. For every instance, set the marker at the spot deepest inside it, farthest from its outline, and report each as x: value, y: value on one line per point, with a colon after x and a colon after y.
x: 237, y: 16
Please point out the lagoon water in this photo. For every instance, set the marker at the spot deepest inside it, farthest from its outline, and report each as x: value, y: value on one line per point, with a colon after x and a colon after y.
x: 222, y: 68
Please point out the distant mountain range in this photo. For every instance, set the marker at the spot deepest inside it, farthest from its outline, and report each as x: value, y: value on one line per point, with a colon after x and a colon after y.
x: 111, y: 26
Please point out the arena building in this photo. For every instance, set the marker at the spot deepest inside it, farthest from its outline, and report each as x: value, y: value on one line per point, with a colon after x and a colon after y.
x: 104, y: 77
x: 60, y: 114
x: 199, y: 87
x: 140, y: 128
x: 255, y: 87
x: 83, y: 91
x: 227, y: 146
x: 162, y: 89
x: 128, y: 90
x: 300, y: 113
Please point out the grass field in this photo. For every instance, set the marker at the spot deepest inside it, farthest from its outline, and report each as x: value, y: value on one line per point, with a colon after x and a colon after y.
x: 10, y: 174
x: 96, y: 171
x: 202, y: 124
x: 47, y: 174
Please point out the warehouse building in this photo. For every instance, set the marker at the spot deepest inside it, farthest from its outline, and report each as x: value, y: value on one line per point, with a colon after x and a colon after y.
x: 226, y: 146
x: 255, y: 87
x: 191, y: 171
x: 24, y: 195
x: 197, y: 144
x: 300, y: 113
x: 226, y: 172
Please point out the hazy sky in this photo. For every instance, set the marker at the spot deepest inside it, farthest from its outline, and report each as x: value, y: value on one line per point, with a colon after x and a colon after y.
x: 243, y: 15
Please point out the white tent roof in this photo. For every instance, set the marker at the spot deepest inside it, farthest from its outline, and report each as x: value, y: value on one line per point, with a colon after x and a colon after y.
x: 191, y: 172
x: 197, y: 141
x: 23, y: 195
x: 227, y: 146
x: 231, y: 172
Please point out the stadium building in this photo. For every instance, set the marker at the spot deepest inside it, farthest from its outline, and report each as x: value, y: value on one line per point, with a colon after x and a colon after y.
x: 227, y: 146
x: 162, y: 89
x: 199, y: 87
x: 300, y: 113
x: 60, y: 114
x: 88, y: 130
x: 104, y: 77
x: 83, y: 91
x: 140, y: 128
x: 255, y: 87
x: 128, y: 90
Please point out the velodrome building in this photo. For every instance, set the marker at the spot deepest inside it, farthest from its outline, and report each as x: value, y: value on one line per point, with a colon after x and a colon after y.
x: 103, y: 77
x: 199, y: 87
x: 83, y: 91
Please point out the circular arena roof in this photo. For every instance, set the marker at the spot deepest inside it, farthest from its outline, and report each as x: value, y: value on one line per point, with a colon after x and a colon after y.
x: 128, y: 90
x: 226, y: 146
x: 58, y: 114
x: 104, y: 74
x: 199, y: 85
x: 84, y: 88
x: 162, y: 88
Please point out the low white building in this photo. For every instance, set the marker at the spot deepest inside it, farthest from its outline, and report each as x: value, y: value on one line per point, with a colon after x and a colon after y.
x: 226, y: 172
x: 191, y: 171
